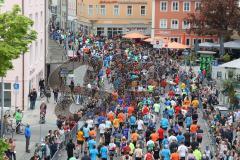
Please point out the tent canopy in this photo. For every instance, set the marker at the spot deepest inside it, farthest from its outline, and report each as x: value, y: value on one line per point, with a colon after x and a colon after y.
x: 232, y: 64
x: 134, y: 35
x: 232, y: 44
x: 208, y: 45
x: 175, y: 45
x: 154, y: 39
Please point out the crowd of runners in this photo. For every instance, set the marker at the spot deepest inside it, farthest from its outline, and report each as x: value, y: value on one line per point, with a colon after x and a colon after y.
x: 155, y: 108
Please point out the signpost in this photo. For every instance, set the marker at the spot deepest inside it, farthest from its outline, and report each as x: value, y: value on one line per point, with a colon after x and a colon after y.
x: 16, y: 90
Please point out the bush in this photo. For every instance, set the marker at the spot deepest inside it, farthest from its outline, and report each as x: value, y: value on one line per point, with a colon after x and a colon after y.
x: 226, y: 57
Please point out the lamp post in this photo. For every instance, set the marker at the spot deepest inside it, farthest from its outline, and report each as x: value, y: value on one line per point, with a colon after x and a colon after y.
x: 185, y: 53
x: 2, y: 98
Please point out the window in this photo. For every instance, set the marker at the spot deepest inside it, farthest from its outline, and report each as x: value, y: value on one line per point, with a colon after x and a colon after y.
x: 195, y: 40
x: 174, y: 24
x: 219, y: 75
x: 7, y: 94
x: 31, y: 54
x: 208, y: 40
x: 116, y: 10
x: 36, y: 21
x: 175, y: 6
x: 36, y: 51
x: 197, y: 6
x: 90, y: 10
x: 163, y: 6
x: 185, y: 25
x: 129, y: 10
x: 163, y: 23
x: 188, y: 42
x: 143, y: 10
x: 97, y: 10
x: 186, y: 6
x: 174, y: 39
x: 100, y: 31
x: 103, y: 10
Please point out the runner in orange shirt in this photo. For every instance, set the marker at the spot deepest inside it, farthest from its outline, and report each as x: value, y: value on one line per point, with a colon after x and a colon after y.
x: 175, y: 156
x: 130, y: 110
x: 154, y: 137
x: 111, y: 116
x: 134, y: 137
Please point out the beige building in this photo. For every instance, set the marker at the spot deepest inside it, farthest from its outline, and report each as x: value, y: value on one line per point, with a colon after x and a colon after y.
x: 111, y: 17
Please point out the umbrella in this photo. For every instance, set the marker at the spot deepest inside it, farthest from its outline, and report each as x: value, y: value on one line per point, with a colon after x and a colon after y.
x: 154, y: 39
x: 175, y: 45
x: 134, y: 36
x: 232, y: 44
x: 208, y: 45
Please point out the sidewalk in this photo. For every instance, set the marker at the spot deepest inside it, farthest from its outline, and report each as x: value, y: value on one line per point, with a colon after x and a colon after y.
x: 31, y: 117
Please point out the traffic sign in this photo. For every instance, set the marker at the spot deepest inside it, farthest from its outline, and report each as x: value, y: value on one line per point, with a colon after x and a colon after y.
x: 16, y: 86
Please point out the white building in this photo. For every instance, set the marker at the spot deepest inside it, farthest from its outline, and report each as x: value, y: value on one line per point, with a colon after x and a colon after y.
x: 226, y: 71
x: 30, y: 68
x: 62, y: 13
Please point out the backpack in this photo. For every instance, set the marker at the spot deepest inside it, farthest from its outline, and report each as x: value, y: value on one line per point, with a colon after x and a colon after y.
x: 149, y: 156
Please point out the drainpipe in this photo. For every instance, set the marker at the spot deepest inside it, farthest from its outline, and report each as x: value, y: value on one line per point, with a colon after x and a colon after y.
x: 23, y: 67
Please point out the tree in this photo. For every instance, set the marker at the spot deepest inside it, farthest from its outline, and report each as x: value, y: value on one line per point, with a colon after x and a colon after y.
x: 15, y: 36
x: 216, y: 17
x: 3, y: 148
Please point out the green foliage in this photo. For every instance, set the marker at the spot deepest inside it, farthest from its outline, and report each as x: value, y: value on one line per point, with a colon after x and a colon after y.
x: 226, y: 57
x: 3, y: 148
x: 15, y: 36
x: 229, y: 91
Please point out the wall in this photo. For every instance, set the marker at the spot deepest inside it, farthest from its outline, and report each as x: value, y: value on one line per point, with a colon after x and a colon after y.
x: 34, y: 58
x: 180, y: 34
x: 95, y: 19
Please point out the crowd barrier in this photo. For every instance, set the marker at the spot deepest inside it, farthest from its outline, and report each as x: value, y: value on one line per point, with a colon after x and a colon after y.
x: 69, y: 135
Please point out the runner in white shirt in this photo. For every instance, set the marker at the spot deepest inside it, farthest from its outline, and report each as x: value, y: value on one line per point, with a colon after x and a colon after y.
x: 102, y: 128
x: 182, y: 150
x: 140, y: 125
x: 172, y: 138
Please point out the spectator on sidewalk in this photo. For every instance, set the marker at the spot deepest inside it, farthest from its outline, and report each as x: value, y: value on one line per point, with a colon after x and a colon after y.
x: 32, y: 97
x: 70, y: 147
x: 27, y: 134
x: 55, y: 93
x: 18, y: 117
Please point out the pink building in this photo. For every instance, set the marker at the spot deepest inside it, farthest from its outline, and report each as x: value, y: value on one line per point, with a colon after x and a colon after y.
x: 169, y: 21
x: 28, y: 70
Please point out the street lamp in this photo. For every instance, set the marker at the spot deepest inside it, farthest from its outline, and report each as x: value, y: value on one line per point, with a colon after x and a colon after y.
x: 185, y: 53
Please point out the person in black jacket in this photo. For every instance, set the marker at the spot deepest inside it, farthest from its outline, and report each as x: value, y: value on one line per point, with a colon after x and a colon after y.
x: 70, y: 147
x: 32, y: 97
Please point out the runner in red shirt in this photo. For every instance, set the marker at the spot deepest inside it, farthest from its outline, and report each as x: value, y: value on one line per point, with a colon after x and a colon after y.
x: 160, y: 135
x: 177, y: 109
x: 145, y: 110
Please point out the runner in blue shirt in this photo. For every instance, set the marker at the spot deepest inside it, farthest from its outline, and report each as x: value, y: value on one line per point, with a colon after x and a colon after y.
x: 91, y: 143
x: 93, y: 153
x: 165, y: 153
x: 104, y: 153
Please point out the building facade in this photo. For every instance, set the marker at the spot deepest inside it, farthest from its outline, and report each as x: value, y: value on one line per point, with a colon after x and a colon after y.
x: 30, y: 68
x: 111, y: 17
x: 169, y: 21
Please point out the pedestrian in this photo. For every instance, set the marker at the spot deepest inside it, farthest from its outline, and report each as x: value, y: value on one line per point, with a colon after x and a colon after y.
x: 27, y: 134
x: 70, y: 147
x: 55, y: 94
x: 11, y: 149
x: 18, y: 117
x: 32, y: 97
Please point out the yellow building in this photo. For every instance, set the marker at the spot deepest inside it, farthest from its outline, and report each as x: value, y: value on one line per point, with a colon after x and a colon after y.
x: 111, y: 17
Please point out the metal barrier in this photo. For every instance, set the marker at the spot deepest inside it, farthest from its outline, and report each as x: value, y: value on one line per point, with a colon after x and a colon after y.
x: 69, y: 135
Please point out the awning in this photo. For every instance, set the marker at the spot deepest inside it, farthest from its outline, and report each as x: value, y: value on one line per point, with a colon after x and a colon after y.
x: 175, y: 45
x: 232, y: 44
x: 134, y: 36
x: 208, y: 45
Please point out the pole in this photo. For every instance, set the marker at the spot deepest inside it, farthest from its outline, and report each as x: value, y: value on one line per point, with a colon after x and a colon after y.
x: 66, y: 28
x: 23, y: 68
x: 2, y: 91
x: 46, y: 24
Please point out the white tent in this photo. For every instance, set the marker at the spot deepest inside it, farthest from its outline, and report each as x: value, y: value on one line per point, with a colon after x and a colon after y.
x: 232, y: 64
x: 232, y: 44
x: 208, y: 45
